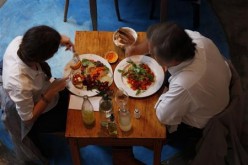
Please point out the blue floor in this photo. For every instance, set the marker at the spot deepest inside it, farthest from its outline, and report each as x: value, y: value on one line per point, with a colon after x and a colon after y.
x: 96, y: 155
x: 16, y: 16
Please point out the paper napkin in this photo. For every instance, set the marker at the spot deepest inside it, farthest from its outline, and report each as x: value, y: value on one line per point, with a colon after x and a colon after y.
x: 76, y: 102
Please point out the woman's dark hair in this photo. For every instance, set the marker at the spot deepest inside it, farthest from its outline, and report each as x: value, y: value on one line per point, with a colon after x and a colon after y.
x: 39, y: 44
x: 171, y: 42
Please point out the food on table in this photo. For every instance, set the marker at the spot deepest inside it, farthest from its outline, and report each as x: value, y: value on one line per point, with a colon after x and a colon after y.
x: 76, y: 66
x: 111, y: 56
x: 139, y: 76
x: 77, y: 80
x: 91, y: 75
x: 124, y: 36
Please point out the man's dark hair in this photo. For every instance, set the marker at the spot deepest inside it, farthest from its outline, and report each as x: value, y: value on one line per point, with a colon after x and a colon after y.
x: 39, y: 44
x: 171, y: 42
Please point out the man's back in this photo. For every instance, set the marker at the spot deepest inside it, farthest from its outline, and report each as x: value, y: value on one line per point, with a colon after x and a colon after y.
x: 199, y: 88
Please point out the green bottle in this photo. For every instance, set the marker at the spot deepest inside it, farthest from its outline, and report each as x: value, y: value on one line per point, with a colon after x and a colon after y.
x: 112, y: 128
x: 105, y: 109
x: 87, y: 112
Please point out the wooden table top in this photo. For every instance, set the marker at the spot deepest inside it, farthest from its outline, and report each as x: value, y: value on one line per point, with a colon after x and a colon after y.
x: 147, y: 126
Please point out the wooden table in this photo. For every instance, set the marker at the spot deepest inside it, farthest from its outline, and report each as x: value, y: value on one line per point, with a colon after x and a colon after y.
x: 146, y: 131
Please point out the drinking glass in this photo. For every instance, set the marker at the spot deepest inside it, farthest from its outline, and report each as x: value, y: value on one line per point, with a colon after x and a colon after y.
x: 121, y: 97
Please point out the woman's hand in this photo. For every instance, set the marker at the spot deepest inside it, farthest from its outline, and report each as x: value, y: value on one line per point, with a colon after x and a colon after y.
x: 58, y: 84
x: 65, y: 41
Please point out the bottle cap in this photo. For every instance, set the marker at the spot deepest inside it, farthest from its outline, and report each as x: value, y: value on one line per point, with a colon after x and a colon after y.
x: 136, y: 113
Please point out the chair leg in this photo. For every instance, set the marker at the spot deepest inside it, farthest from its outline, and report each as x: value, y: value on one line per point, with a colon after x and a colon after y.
x: 163, y: 10
x: 117, y: 10
x: 152, y: 9
x: 66, y: 9
x: 93, y: 13
x: 196, y: 14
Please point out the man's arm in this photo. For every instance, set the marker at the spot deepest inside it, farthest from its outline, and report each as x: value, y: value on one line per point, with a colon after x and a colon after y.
x: 173, y: 105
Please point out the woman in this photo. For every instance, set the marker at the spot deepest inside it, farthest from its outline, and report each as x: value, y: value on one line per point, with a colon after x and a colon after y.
x: 40, y: 103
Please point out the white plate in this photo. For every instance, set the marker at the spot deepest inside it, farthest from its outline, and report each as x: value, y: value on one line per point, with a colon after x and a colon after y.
x: 81, y: 92
x: 155, y: 67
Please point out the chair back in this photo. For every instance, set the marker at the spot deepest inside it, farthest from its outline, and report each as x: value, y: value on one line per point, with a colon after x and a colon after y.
x: 221, y: 136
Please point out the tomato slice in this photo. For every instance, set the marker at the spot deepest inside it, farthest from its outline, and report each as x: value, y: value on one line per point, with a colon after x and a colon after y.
x: 77, y: 78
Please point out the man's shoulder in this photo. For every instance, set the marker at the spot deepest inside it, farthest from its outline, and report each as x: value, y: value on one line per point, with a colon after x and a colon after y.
x: 185, y: 78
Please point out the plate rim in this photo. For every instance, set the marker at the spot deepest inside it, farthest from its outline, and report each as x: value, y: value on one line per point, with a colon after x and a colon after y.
x: 119, y: 83
x: 80, y: 92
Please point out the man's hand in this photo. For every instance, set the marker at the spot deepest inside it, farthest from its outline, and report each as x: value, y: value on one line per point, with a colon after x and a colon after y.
x: 65, y: 41
x: 137, y: 49
x: 165, y: 89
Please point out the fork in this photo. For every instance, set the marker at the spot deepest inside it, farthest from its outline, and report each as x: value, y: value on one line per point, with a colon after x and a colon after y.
x: 76, y: 57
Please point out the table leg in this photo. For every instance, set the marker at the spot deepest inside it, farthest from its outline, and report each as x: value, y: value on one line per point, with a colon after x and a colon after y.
x: 93, y: 13
x: 163, y: 10
x: 75, y: 153
x: 157, y: 152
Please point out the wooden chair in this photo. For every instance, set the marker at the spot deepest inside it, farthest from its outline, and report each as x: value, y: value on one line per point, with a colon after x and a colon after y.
x: 93, y: 12
x: 164, y: 9
x: 228, y: 130
x: 117, y: 10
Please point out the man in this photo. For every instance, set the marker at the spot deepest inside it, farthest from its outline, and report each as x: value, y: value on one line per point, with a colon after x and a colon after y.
x: 198, y: 86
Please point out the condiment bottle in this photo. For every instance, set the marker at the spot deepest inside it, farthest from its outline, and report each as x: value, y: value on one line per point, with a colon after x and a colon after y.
x: 124, y: 119
x: 112, y: 128
x: 105, y: 109
x: 136, y: 113
x: 87, y: 112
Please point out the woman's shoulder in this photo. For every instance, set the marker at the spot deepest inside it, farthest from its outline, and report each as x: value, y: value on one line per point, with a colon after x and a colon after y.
x: 16, y: 41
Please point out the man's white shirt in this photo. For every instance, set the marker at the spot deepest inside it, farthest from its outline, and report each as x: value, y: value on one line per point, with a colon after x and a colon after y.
x: 198, y: 89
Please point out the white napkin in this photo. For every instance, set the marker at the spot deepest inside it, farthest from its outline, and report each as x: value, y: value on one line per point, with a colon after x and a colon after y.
x: 76, y: 102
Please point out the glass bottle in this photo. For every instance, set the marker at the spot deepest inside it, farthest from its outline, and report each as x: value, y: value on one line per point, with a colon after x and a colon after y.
x: 105, y: 109
x: 121, y: 97
x: 124, y: 118
x: 87, y: 112
x: 112, y: 128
